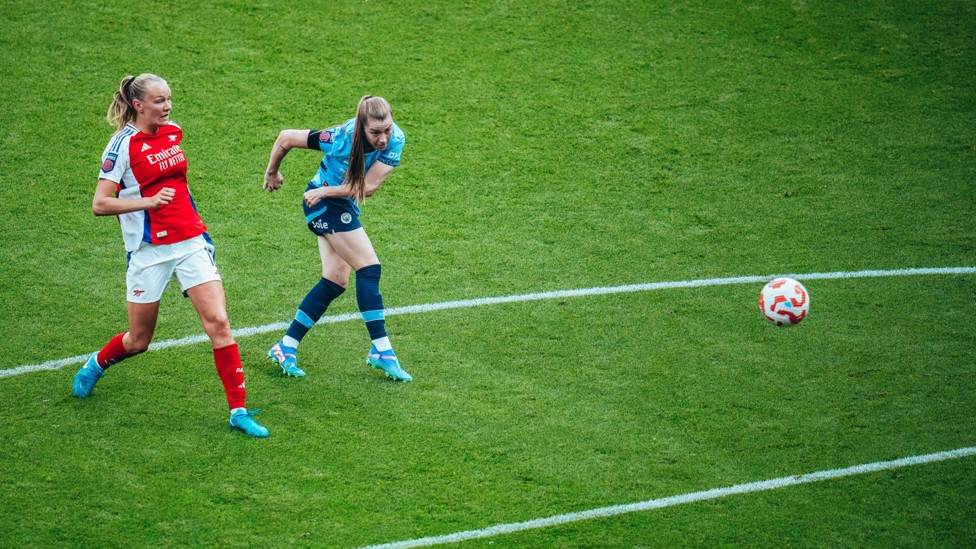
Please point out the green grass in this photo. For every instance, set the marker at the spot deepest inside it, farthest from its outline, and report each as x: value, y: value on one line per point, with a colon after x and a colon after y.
x: 551, y: 145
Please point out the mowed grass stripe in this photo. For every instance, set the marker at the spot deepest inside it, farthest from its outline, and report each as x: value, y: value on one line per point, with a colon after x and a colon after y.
x: 538, y: 296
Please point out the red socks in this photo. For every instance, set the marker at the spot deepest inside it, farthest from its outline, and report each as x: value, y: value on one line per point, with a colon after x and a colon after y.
x: 113, y: 352
x: 231, y: 372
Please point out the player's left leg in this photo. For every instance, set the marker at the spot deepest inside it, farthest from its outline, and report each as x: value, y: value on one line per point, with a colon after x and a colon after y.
x: 210, y: 303
x: 357, y: 250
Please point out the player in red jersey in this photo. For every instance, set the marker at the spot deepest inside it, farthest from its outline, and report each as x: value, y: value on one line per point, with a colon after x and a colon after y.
x: 143, y: 182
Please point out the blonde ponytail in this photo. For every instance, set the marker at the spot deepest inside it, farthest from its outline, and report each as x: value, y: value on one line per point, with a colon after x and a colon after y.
x: 121, y: 111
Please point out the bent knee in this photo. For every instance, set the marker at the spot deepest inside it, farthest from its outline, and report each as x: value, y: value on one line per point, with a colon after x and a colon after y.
x: 339, y: 274
x: 137, y: 346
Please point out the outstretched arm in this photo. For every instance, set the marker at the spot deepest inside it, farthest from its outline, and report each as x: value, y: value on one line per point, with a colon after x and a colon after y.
x: 287, y: 140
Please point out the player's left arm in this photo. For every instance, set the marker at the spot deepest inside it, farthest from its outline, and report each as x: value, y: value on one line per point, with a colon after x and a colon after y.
x: 375, y: 177
x: 384, y: 165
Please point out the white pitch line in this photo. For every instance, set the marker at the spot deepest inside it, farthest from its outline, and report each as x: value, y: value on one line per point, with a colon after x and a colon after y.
x: 716, y: 493
x: 479, y: 302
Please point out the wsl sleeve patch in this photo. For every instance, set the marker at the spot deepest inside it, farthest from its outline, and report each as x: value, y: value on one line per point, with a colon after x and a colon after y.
x: 109, y: 162
x: 321, y: 140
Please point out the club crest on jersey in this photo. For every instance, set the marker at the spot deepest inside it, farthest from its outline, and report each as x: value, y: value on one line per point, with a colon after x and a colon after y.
x: 109, y: 162
x: 346, y: 217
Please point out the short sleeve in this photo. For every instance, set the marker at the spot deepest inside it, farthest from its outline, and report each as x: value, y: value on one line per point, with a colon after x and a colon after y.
x: 115, y: 160
x: 322, y: 140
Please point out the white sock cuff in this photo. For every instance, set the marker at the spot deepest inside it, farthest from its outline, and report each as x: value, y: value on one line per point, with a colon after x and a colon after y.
x: 382, y: 344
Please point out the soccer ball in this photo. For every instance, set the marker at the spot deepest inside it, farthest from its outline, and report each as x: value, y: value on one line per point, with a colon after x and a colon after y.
x: 784, y: 302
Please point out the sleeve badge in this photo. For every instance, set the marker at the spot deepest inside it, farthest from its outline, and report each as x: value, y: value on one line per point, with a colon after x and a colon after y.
x: 109, y: 162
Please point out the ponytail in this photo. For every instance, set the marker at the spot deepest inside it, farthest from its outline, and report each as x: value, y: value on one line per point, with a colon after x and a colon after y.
x: 122, y: 111
x: 370, y: 107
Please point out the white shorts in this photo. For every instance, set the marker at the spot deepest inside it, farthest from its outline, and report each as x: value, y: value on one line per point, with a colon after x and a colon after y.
x: 151, y: 267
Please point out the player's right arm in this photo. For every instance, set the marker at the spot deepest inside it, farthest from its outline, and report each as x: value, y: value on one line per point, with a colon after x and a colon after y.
x: 287, y: 140
x: 106, y: 203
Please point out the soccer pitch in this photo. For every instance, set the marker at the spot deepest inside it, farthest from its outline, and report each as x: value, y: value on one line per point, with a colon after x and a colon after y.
x: 590, y: 199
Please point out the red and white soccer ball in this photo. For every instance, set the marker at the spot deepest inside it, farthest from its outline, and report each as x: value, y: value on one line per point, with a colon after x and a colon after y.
x: 784, y: 302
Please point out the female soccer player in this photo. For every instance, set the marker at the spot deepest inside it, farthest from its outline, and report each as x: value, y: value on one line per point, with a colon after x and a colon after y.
x: 143, y: 182
x: 359, y: 155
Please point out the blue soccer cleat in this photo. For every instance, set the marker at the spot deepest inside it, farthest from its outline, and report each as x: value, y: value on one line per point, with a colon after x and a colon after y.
x: 242, y: 419
x: 87, y: 377
x: 284, y: 356
x: 387, y: 361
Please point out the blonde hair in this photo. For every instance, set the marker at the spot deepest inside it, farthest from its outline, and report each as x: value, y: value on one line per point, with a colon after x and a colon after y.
x: 121, y: 111
x: 370, y: 107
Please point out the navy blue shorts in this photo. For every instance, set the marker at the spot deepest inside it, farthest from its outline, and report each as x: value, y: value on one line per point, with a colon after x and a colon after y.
x: 331, y: 215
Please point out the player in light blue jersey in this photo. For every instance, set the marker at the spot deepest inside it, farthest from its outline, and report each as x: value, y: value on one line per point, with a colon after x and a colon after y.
x: 358, y: 157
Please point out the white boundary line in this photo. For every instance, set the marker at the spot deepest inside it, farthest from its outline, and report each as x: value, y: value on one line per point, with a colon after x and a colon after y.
x: 716, y: 493
x: 426, y: 308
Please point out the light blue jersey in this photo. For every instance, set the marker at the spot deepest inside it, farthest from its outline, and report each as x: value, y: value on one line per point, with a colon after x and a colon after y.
x: 336, y: 142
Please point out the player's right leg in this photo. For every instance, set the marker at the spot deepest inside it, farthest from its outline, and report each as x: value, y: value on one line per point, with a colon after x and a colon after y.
x: 142, y: 324
x: 146, y: 277
x: 335, y: 276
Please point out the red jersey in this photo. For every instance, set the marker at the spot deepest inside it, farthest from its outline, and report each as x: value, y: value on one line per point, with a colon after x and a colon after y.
x: 142, y: 164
